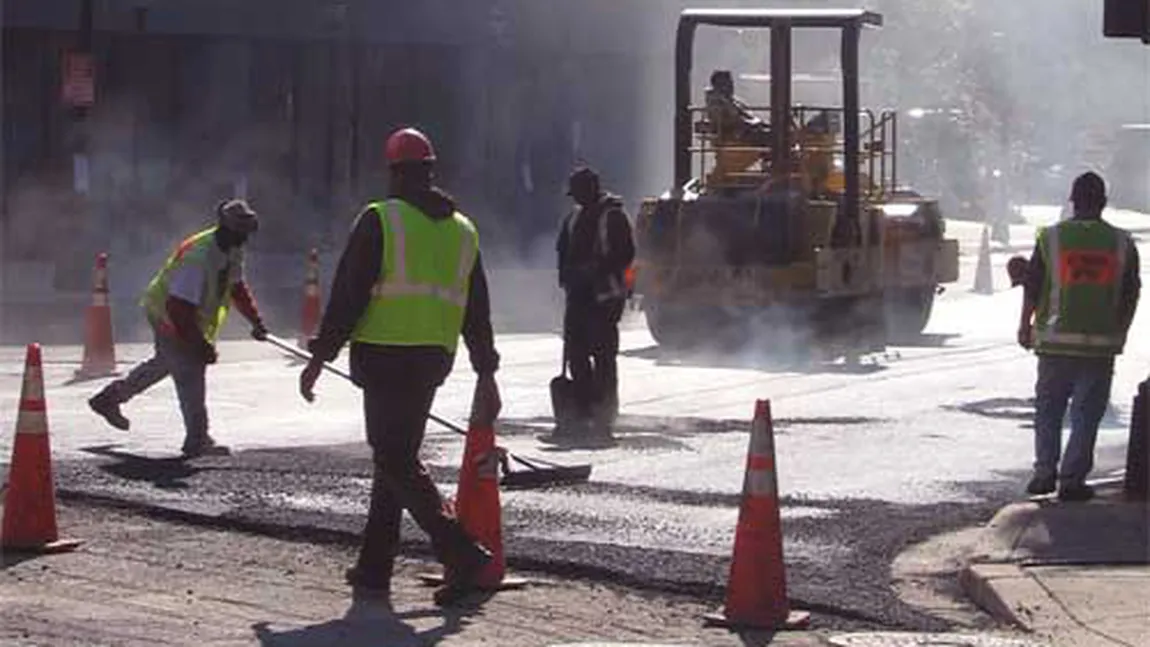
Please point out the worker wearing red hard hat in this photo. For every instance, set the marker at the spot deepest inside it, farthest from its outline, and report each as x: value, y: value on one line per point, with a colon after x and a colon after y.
x: 409, y: 283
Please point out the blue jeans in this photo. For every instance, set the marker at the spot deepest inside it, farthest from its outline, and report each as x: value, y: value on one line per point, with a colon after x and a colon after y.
x: 187, y: 371
x: 1084, y: 384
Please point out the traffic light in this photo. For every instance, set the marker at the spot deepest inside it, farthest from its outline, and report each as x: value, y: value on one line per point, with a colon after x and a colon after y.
x: 1127, y: 19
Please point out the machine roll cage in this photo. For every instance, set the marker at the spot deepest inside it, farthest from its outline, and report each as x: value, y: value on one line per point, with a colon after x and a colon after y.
x: 781, y: 22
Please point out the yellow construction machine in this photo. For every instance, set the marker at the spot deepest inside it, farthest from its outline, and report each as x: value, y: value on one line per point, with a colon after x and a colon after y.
x: 799, y: 232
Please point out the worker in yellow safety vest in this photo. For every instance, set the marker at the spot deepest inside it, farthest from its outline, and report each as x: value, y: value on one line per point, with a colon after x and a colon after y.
x: 186, y: 303
x: 409, y: 283
x: 1081, y: 291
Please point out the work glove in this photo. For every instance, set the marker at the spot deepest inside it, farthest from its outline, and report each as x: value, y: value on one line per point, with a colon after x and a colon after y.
x: 486, y: 403
x: 259, y: 331
x: 308, y: 377
x: 207, y: 353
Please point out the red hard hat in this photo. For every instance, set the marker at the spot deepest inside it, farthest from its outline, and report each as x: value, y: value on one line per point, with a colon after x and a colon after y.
x: 409, y: 145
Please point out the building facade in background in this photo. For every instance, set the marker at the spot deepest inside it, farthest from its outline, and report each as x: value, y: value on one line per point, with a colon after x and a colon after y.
x: 287, y: 103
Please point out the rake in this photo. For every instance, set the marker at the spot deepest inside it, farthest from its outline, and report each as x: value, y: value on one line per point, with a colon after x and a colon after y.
x: 539, y: 473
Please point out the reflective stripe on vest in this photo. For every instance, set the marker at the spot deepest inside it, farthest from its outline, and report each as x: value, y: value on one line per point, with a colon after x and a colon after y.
x: 1085, y: 269
x: 398, y: 284
x: 419, y: 300
x: 615, y: 288
x: 1078, y: 339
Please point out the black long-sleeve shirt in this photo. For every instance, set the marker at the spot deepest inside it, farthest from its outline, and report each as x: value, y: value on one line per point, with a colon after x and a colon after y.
x: 1131, y: 281
x: 360, y: 268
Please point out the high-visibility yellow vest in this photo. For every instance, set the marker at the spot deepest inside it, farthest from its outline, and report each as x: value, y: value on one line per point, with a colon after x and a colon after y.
x: 1078, y: 308
x: 421, y: 295
x: 219, y: 268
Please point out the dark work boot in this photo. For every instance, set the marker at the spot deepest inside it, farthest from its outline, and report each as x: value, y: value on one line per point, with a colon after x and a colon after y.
x: 461, y: 577
x: 204, y: 446
x: 1041, y: 484
x: 1075, y: 492
x: 367, y: 587
x: 108, y: 408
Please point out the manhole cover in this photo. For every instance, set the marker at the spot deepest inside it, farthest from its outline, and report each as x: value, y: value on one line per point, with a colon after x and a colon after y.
x: 928, y: 640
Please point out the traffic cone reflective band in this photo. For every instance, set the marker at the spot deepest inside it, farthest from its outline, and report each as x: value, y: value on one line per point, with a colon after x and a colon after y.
x: 757, y: 587
x: 99, y: 349
x: 477, y: 508
x: 309, y: 316
x: 30, y: 504
x: 983, y: 281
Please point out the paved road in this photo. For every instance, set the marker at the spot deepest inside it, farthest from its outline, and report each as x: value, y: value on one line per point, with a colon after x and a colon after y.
x: 934, y: 436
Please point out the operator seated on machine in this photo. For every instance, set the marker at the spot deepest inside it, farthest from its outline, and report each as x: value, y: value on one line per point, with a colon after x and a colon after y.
x: 733, y: 124
x: 817, y: 139
x: 732, y: 119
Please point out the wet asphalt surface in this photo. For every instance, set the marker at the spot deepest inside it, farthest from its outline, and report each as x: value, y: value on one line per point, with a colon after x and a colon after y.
x: 838, y: 554
x: 873, y: 459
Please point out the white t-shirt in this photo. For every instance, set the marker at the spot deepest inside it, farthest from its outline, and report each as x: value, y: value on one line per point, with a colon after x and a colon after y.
x: 187, y: 282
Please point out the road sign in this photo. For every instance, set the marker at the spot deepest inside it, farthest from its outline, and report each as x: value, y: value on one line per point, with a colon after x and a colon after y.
x: 79, y: 79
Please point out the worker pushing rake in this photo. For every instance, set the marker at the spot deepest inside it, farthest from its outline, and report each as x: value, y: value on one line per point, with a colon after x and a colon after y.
x: 539, y: 473
x: 409, y: 284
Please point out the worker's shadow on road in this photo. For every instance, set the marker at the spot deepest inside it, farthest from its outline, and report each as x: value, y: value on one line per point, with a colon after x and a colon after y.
x: 1022, y: 410
x: 629, y: 433
x: 368, y: 624
x: 10, y: 558
x: 166, y: 473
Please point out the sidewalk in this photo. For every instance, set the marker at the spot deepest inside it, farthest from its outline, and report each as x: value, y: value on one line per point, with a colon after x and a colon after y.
x: 1075, y: 573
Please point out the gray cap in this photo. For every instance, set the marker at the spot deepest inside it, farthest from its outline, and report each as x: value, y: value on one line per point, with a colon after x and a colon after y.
x: 238, y: 216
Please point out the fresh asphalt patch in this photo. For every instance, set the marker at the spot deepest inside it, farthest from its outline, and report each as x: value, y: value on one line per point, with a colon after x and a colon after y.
x: 838, y: 558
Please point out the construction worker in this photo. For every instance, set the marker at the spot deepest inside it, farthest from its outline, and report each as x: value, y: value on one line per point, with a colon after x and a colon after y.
x: 1081, y: 291
x: 732, y: 118
x: 409, y: 282
x: 595, y: 249
x: 187, y: 303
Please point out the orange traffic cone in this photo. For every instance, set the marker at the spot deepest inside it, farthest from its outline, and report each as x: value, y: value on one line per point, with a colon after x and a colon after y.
x: 309, y: 317
x: 476, y: 506
x: 99, y: 349
x: 30, y: 505
x: 757, y: 586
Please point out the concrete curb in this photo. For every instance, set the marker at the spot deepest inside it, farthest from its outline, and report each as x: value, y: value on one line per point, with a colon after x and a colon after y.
x: 977, y: 582
x: 1009, y: 594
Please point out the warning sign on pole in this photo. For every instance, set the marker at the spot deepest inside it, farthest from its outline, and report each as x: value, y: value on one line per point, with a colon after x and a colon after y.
x: 79, y: 86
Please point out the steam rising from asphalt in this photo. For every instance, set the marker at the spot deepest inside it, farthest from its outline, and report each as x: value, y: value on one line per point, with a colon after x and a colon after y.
x: 1029, y: 88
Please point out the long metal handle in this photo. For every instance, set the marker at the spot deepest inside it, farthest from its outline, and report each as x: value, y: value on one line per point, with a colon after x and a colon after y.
x: 302, y: 354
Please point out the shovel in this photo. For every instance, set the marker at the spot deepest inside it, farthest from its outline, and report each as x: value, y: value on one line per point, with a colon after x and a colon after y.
x: 540, y: 473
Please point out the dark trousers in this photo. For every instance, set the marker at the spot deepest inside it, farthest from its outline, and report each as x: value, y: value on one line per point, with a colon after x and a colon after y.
x: 399, y: 387
x: 592, y: 343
